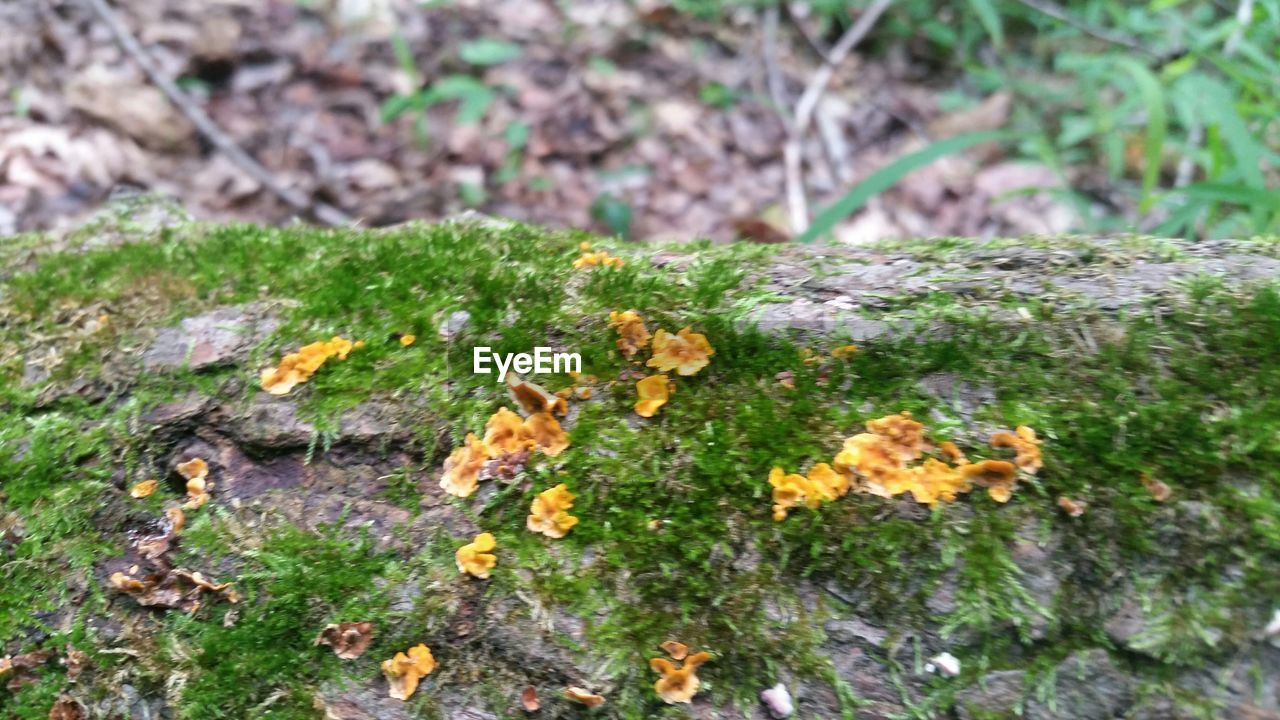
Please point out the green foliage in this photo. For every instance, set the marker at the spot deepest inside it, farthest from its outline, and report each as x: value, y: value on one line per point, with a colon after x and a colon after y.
x: 1174, y: 101
x: 1097, y: 80
x: 472, y: 95
x: 888, y: 176
x: 263, y: 664
x: 613, y: 213
x: 488, y: 51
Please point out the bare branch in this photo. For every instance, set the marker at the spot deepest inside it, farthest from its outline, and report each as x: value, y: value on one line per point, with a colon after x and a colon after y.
x: 793, y: 151
x: 792, y: 163
x: 822, y: 78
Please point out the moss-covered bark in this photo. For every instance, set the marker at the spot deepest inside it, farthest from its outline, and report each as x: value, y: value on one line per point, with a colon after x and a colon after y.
x: 129, y: 349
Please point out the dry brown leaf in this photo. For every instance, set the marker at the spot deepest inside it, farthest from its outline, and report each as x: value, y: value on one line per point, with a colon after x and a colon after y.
x: 176, y: 588
x: 20, y: 668
x: 786, y: 379
x: 1074, y: 508
x: 75, y: 662
x: 759, y: 231
x: 1158, y: 489
x: 584, y: 697
x: 67, y: 708
x: 135, y: 107
x: 677, y: 650
x: 529, y: 699
x: 349, y: 640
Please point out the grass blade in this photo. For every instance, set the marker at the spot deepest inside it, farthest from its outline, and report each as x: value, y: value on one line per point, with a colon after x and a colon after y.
x: 1219, y: 106
x: 990, y: 20
x: 888, y: 176
x: 1153, y: 101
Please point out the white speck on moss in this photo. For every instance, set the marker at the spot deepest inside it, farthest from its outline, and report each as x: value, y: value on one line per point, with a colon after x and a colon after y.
x: 778, y: 700
x: 945, y: 664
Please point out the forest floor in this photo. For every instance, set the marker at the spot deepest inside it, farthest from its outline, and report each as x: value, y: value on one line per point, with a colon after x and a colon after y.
x: 1133, y: 575
x: 599, y: 114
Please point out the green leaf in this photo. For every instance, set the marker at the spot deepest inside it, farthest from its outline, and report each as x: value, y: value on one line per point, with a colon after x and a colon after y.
x: 397, y: 105
x: 517, y: 135
x: 474, y: 105
x: 614, y: 213
x: 887, y: 176
x: 473, y: 96
x: 1153, y: 101
x: 404, y: 55
x: 1218, y: 105
x: 990, y: 20
x: 1245, y: 195
x: 488, y: 51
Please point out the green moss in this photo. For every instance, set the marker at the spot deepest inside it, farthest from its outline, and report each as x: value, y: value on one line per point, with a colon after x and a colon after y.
x: 1188, y: 396
x: 257, y: 659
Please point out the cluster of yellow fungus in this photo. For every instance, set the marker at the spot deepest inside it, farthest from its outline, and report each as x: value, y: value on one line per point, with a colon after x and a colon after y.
x: 686, y: 352
x: 823, y: 484
x: 462, y: 467
x: 507, y: 440
x: 476, y: 558
x: 143, y: 489
x: 1024, y: 442
x: 583, y: 388
x: 880, y: 462
x: 196, y: 471
x: 678, y: 684
x: 591, y: 259
x: 405, y: 670
x: 633, y: 336
x: 998, y: 476
x: 549, y: 514
x: 654, y: 391
x: 298, y: 367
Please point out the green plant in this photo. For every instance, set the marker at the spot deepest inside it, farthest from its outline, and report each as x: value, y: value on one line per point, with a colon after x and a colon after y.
x: 473, y: 95
x: 1166, y: 109
x: 1175, y: 101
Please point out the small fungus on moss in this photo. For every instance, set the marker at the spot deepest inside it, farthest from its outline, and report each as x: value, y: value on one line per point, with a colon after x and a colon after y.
x: 685, y: 352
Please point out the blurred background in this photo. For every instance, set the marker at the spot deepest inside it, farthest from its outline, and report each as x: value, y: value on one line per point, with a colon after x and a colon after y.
x: 653, y: 119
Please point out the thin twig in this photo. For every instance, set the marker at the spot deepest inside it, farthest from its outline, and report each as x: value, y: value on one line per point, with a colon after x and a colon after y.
x: 793, y: 151
x: 1059, y: 13
x: 323, y: 212
x: 793, y: 170
x: 1187, y: 165
x: 817, y: 46
x: 822, y: 78
x: 772, y: 69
